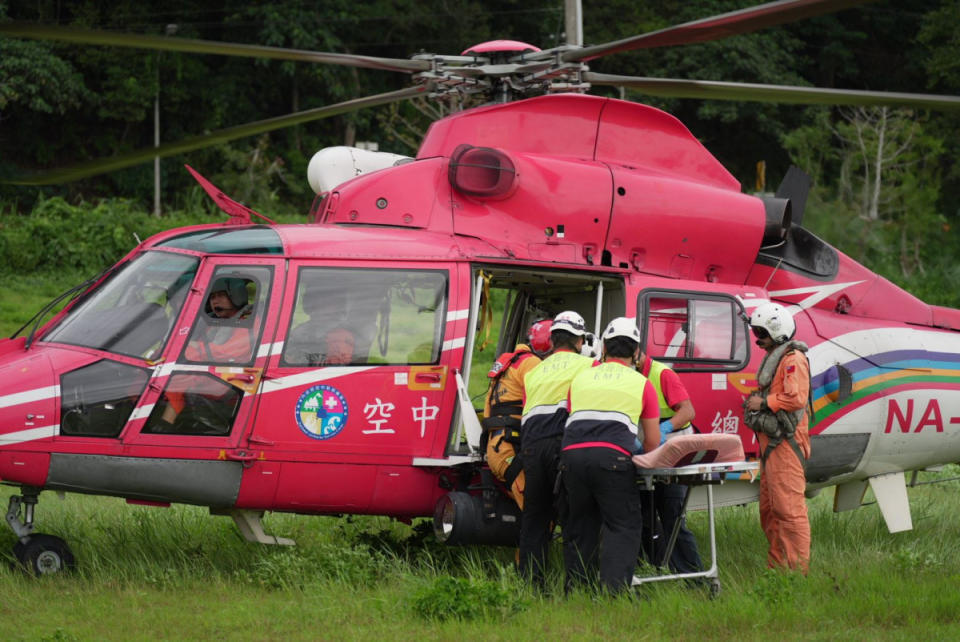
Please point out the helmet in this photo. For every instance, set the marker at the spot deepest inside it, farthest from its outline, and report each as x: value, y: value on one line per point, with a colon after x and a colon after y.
x: 539, y: 336
x: 776, y: 320
x: 236, y: 290
x: 591, y: 346
x: 569, y: 321
x: 622, y: 327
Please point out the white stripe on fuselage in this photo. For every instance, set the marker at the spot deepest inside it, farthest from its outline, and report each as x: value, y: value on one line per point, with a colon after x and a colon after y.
x: 37, y: 394
x: 29, y: 435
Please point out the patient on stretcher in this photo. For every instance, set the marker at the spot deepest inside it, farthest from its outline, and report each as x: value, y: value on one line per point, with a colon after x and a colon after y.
x: 684, y: 450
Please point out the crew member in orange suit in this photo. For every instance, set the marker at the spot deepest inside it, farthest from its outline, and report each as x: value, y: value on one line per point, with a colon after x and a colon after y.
x: 504, y: 405
x: 784, y: 379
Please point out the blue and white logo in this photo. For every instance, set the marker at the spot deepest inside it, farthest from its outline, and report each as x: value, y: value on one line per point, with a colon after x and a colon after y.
x: 321, y: 412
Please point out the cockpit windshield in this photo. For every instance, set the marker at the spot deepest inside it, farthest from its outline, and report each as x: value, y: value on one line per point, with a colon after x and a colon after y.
x: 133, y: 311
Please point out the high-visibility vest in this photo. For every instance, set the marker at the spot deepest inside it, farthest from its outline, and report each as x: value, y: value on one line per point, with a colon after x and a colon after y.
x: 546, y: 387
x: 656, y: 369
x: 605, y: 406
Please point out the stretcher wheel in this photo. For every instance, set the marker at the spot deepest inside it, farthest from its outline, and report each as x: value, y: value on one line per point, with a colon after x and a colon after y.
x: 714, y: 588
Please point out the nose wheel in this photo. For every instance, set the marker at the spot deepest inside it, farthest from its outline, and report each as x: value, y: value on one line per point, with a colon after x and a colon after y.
x: 44, y: 554
x: 37, y: 553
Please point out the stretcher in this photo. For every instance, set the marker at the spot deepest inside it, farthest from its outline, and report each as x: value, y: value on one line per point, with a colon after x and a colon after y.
x: 693, y: 460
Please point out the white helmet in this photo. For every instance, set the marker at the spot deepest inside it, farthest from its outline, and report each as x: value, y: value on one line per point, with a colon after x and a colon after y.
x: 591, y: 346
x: 622, y: 327
x: 775, y: 320
x: 569, y: 321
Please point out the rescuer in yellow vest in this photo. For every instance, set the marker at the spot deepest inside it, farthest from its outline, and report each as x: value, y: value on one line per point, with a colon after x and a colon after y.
x: 676, y: 413
x: 544, y: 415
x: 610, y: 406
x: 504, y: 404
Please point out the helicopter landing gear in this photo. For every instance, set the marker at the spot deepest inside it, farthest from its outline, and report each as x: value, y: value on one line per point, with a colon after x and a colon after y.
x: 44, y: 555
x: 37, y: 553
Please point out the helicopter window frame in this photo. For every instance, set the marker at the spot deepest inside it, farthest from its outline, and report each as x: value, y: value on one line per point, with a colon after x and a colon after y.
x: 375, y: 347
x: 253, y: 320
x: 189, y: 392
x: 739, y: 353
x: 83, y: 402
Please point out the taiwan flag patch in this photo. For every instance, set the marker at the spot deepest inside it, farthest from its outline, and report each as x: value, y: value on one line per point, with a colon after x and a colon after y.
x: 790, y: 369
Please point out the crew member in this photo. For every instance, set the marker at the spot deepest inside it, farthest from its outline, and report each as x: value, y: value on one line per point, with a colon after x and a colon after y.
x: 782, y: 400
x: 544, y: 415
x: 504, y: 405
x: 223, y: 341
x: 218, y: 338
x: 610, y: 405
x: 676, y: 413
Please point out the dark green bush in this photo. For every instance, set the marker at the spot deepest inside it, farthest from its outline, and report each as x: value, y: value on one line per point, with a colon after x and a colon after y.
x: 85, y: 238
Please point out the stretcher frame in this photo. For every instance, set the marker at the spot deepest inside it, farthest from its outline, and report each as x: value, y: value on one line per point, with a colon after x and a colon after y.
x: 709, y: 475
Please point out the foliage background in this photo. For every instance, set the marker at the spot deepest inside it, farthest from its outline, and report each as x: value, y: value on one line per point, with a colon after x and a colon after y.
x: 61, y: 104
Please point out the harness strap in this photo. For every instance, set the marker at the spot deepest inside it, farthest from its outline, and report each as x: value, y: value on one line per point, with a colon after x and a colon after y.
x: 513, y: 471
x: 506, y: 408
x: 494, y: 423
x: 793, y: 445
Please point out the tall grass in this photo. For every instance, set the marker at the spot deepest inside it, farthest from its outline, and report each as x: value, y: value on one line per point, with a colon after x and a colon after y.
x: 178, y: 573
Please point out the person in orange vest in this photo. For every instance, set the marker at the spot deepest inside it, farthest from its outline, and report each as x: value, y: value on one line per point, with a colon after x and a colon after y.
x: 611, y: 406
x: 676, y: 413
x: 778, y: 412
x: 221, y: 340
x: 544, y: 415
x: 504, y: 405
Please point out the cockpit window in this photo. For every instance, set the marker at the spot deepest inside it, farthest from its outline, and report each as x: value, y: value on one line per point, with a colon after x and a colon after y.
x: 132, y: 312
x: 249, y: 240
x: 228, y: 326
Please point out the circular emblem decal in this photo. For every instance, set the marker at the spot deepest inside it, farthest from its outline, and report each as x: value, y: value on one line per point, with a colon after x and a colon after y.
x: 321, y: 412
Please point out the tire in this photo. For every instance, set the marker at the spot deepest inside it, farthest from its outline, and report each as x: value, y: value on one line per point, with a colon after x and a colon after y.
x: 45, y: 555
x: 714, y: 588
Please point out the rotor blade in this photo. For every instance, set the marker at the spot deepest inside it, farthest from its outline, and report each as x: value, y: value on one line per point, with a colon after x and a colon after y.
x: 168, y: 43
x: 121, y: 161
x: 716, y: 27
x: 716, y: 90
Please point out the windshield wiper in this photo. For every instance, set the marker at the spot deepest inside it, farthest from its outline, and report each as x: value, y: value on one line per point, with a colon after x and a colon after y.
x: 38, y: 317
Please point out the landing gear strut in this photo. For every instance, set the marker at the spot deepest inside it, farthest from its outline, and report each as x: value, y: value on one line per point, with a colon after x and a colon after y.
x: 38, y: 553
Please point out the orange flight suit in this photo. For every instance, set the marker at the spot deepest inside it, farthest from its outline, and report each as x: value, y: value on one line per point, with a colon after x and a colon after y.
x: 509, y: 389
x: 783, y: 507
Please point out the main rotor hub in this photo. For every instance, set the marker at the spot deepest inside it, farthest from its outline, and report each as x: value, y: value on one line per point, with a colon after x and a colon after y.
x: 504, y: 70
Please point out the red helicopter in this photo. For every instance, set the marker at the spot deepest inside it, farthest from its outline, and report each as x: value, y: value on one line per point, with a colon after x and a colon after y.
x: 323, y: 368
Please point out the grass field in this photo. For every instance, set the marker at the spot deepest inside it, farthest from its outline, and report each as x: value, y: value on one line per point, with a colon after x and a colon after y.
x: 178, y: 573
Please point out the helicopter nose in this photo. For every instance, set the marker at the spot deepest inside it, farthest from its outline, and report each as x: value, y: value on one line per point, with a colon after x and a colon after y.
x: 28, y: 413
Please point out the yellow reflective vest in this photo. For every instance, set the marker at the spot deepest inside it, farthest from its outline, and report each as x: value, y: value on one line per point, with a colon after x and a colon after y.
x: 606, y: 403
x: 545, y: 389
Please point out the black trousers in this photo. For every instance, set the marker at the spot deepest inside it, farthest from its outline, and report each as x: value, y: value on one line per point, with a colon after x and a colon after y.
x: 668, y: 499
x: 603, y: 529
x: 541, y: 464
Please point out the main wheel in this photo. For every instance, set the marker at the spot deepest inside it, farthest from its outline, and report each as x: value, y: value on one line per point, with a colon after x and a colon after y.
x: 45, y: 555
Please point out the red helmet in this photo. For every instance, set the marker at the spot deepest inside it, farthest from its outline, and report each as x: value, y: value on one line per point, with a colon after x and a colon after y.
x: 539, y: 336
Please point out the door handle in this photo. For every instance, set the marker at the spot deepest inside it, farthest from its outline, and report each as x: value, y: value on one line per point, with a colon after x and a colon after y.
x: 427, y: 377
x: 245, y: 456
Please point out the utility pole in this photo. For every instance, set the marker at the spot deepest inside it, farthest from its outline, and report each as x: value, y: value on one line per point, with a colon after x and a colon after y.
x: 573, y: 21
x: 170, y: 30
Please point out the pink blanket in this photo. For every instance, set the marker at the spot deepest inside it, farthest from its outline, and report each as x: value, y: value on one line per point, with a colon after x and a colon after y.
x: 684, y: 450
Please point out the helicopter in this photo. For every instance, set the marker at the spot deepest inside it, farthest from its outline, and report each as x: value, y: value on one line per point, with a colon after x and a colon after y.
x: 323, y: 368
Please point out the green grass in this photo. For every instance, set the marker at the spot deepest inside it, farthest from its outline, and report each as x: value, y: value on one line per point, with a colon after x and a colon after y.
x: 25, y: 294
x: 178, y: 573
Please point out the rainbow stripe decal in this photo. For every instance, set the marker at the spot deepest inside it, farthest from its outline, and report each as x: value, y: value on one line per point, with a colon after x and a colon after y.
x: 876, y: 376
